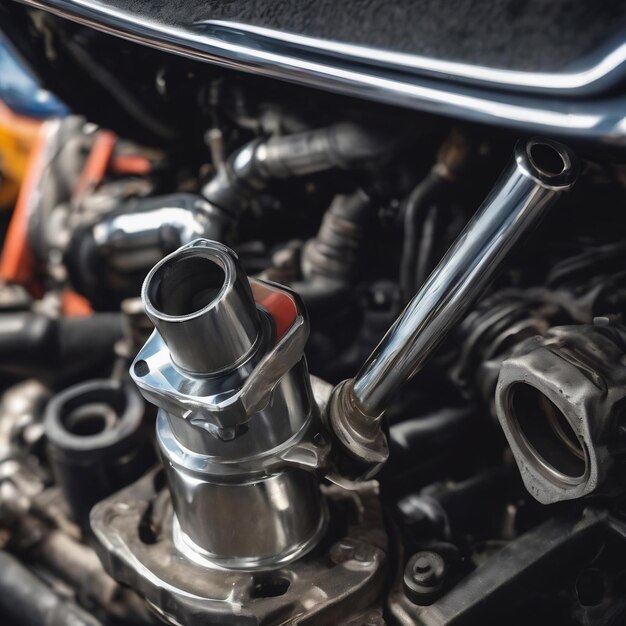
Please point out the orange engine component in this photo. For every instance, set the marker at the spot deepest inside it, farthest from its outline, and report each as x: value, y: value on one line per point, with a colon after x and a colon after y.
x: 18, y: 135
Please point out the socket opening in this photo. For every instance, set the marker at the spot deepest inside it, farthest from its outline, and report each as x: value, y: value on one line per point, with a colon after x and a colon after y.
x: 186, y: 284
x: 546, y: 436
x: 93, y: 412
x: 85, y: 424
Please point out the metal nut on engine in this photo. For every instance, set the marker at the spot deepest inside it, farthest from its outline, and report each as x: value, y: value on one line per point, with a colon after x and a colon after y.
x: 559, y: 399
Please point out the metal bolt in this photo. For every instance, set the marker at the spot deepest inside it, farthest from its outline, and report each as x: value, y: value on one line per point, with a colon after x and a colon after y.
x: 424, y: 576
x: 428, y: 568
x: 422, y: 565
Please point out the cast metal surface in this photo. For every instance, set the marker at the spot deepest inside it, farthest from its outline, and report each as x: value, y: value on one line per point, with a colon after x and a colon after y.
x: 340, y: 577
x: 404, y: 80
x: 238, y: 429
x: 559, y: 400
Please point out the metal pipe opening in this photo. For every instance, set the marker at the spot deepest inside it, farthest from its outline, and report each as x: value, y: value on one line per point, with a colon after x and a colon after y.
x: 187, y: 285
x: 200, y: 302
x: 546, y: 158
x: 546, y: 437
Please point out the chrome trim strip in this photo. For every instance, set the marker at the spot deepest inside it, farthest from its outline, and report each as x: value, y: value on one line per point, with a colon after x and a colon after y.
x: 597, y: 120
x: 596, y: 72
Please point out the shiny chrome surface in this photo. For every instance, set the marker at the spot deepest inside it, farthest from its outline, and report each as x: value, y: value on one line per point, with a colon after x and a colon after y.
x: 237, y: 422
x: 140, y: 230
x: 601, y: 70
x: 601, y: 119
x: 225, y: 400
x: 320, y: 587
x: 250, y: 502
x: 539, y: 173
x: 247, y: 525
x: 200, y: 292
x: 193, y: 443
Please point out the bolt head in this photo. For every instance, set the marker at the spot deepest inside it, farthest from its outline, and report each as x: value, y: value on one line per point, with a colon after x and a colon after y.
x: 424, y: 576
x: 422, y: 565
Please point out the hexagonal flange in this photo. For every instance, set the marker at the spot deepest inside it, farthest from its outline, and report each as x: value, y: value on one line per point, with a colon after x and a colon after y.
x: 184, y: 395
x: 557, y: 399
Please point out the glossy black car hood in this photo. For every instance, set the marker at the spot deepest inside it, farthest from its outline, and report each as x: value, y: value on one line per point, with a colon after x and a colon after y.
x: 541, y: 66
x: 535, y: 35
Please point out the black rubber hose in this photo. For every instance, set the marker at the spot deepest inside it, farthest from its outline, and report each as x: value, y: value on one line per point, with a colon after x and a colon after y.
x: 26, y: 600
x: 117, y: 91
x: 343, y: 145
x: 96, y: 442
x: 34, y: 345
x: 418, y: 203
x: 430, y: 433
x: 451, y: 160
x: 322, y: 296
x: 330, y: 260
x: 334, y: 252
x: 453, y: 510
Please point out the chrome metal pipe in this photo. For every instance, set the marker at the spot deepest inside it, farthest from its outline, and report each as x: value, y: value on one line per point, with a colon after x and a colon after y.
x: 200, y: 292
x: 539, y: 172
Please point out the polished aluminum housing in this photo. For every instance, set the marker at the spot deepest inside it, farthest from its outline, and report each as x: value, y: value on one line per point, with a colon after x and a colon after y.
x: 133, y: 238
x: 237, y: 420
